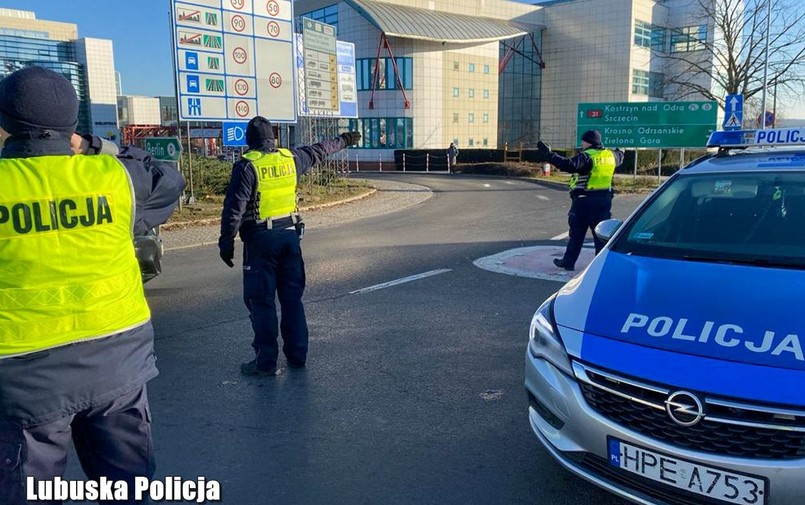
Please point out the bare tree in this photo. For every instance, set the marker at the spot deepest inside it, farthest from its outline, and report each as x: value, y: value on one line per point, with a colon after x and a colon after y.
x: 733, y: 59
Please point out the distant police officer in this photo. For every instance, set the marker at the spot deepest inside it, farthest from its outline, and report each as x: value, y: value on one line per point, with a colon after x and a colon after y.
x: 260, y: 202
x: 76, y: 341
x: 590, y: 190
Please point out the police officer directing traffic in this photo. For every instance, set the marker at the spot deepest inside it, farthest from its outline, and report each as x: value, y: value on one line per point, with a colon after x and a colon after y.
x: 260, y: 203
x: 590, y: 190
x: 76, y: 341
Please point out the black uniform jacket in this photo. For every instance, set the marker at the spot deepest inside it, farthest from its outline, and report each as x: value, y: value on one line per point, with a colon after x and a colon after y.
x: 241, y: 195
x: 47, y: 385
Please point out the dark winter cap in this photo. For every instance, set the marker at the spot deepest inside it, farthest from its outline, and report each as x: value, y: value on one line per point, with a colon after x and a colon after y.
x: 260, y: 133
x: 35, y: 99
x: 592, y: 137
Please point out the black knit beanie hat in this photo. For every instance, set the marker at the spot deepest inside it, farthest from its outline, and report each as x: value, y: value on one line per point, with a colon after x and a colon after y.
x: 35, y: 99
x: 592, y: 137
x: 260, y: 133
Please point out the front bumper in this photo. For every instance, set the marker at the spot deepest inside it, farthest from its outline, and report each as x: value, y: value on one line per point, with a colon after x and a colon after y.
x: 576, y: 435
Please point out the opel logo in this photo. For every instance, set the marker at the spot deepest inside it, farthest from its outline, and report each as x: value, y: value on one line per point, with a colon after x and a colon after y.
x: 684, y: 408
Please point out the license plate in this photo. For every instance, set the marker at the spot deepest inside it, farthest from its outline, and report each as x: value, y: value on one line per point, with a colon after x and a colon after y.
x: 716, y: 483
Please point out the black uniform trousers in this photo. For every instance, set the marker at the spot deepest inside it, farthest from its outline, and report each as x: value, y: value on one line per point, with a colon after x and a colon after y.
x: 273, y: 267
x: 586, y: 211
x: 112, y: 440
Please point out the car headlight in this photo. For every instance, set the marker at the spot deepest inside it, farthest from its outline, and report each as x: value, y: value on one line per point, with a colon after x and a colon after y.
x: 544, y: 340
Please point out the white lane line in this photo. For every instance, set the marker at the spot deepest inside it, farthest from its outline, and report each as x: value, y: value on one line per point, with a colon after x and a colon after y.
x: 561, y: 237
x: 487, y: 185
x: 400, y: 281
x: 543, y: 197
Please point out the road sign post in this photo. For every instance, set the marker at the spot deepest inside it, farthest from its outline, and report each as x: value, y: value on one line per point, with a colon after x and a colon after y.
x: 654, y: 125
x: 164, y: 148
x: 733, y: 112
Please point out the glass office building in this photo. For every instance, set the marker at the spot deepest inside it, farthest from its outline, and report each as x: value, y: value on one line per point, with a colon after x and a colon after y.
x: 26, y: 41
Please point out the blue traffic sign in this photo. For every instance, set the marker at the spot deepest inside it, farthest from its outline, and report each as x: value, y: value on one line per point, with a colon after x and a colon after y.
x: 234, y: 133
x: 192, y: 84
x: 733, y: 112
x: 194, y: 106
x: 191, y: 60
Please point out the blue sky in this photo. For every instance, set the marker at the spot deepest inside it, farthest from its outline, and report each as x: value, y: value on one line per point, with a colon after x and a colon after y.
x: 140, y: 30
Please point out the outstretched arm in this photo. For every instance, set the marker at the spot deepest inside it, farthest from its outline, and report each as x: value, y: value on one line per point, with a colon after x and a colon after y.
x: 307, y: 157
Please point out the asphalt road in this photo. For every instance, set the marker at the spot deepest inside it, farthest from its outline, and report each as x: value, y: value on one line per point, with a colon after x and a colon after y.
x: 413, y: 393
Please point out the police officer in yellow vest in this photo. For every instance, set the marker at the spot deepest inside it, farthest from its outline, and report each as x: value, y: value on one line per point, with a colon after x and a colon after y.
x: 260, y: 203
x: 590, y: 190
x: 76, y: 341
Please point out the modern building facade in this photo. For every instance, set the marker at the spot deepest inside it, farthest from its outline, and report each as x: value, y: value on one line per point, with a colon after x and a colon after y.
x: 138, y: 110
x: 428, y: 71
x: 622, y: 53
x: 87, y: 62
x: 484, y: 73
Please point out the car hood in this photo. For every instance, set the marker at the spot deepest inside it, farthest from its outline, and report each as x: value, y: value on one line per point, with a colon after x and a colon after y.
x: 704, y: 325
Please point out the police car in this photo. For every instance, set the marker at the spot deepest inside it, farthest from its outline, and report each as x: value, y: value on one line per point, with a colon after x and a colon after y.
x: 671, y: 370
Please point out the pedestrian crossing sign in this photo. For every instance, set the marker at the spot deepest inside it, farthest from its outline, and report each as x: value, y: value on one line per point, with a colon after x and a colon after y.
x: 732, y: 122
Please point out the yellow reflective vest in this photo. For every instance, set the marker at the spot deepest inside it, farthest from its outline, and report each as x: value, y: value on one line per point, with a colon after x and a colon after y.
x: 68, y: 270
x: 276, y: 183
x: 600, y: 177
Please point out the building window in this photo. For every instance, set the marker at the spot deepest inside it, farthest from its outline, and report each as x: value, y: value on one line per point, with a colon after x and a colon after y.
x: 455, y: 117
x: 640, y: 81
x: 471, y: 117
x: 656, y: 84
x: 471, y: 68
x: 690, y: 38
x: 471, y: 93
x: 486, y: 93
x: 642, y: 34
x: 384, y: 133
x: 386, y: 79
x: 649, y: 36
x: 327, y: 15
x: 648, y: 83
x: 486, y: 69
x: 455, y: 141
x: 455, y: 65
x: 471, y: 142
x: 486, y: 142
x: 486, y: 117
x: 455, y: 91
x: 658, y: 39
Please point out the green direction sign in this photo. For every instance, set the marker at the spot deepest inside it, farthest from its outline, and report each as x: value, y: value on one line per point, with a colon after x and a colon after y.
x: 164, y: 148
x: 649, y: 124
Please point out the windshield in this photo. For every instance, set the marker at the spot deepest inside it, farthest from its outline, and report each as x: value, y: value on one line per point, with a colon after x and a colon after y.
x: 756, y: 218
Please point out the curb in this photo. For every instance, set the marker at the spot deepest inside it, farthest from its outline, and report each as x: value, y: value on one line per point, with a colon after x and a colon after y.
x: 204, y: 222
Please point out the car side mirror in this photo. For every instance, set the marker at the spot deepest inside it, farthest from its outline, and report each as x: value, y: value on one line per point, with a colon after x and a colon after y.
x: 605, y: 229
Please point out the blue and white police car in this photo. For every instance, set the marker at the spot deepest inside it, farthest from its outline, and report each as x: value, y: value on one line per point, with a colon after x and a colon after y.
x: 672, y: 370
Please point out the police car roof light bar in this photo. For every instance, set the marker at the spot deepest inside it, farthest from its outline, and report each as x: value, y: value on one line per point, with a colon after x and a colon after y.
x: 740, y: 139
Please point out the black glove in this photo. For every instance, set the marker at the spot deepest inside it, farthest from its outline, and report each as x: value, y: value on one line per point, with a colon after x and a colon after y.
x: 543, y: 148
x: 227, y: 252
x: 351, y: 138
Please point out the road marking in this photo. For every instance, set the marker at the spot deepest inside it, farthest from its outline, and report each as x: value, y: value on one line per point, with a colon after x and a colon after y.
x: 561, y: 237
x: 487, y: 185
x: 400, y: 281
x: 543, y: 197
